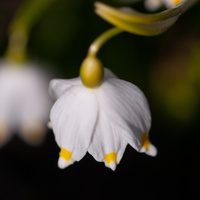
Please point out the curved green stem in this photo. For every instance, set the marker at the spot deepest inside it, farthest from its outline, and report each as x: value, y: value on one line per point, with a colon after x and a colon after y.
x: 26, y: 18
x: 30, y: 13
x: 91, y: 71
x: 103, y: 38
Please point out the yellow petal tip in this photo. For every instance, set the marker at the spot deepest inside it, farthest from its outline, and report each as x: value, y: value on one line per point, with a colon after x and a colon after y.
x: 145, y: 141
x: 111, y: 157
x: 65, y: 154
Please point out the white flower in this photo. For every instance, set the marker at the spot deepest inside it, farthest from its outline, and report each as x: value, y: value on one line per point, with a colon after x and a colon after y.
x: 24, y: 102
x: 153, y: 5
x: 101, y: 121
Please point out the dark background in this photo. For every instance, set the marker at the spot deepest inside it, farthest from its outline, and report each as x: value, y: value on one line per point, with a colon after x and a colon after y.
x: 165, y: 67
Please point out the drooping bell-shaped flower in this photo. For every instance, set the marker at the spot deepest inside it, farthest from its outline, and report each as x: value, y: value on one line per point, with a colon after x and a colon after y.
x: 24, y: 102
x: 100, y: 114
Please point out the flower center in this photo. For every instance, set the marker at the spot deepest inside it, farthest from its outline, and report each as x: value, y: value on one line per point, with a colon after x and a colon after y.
x: 91, y: 72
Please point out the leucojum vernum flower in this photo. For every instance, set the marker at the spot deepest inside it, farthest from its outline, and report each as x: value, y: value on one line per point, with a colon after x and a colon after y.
x: 98, y: 112
x: 100, y: 120
x: 24, y: 102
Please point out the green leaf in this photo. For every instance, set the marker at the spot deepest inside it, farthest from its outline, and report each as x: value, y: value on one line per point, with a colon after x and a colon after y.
x: 142, y: 24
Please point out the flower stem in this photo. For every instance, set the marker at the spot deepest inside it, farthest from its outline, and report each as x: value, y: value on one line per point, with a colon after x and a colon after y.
x: 104, y: 37
x: 26, y: 18
x: 91, y: 71
x: 30, y: 13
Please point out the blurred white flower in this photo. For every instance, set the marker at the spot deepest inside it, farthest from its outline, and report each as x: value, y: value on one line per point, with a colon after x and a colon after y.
x: 101, y: 121
x: 24, y: 102
x: 172, y: 3
x: 153, y: 5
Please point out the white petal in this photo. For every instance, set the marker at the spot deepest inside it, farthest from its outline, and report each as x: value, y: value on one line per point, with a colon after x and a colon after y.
x: 33, y: 103
x: 74, y: 117
x: 152, y: 150
x: 112, y: 165
x: 108, y: 74
x: 58, y: 86
x: 8, y: 94
x: 169, y: 3
x: 153, y: 5
x: 148, y: 147
x: 62, y: 163
x: 23, y: 93
x: 126, y: 106
x: 6, y: 106
x: 107, y: 139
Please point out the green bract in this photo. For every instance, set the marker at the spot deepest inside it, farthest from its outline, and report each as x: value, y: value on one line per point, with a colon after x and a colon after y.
x: 139, y: 23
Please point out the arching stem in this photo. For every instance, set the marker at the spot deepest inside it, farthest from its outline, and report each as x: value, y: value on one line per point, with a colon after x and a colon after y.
x: 102, y: 39
x: 28, y: 15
